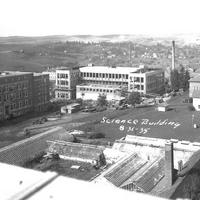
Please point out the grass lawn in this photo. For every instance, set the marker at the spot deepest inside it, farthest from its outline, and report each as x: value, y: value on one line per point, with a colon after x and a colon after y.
x: 176, y: 124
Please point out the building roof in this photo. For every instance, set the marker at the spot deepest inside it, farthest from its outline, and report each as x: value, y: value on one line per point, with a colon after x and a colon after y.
x: 75, y: 150
x: 13, y: 73
x: 110, y: 70
x: 124, y: 170
x: 151, y: 177
x: 196, y: 94
x: 195, y: 79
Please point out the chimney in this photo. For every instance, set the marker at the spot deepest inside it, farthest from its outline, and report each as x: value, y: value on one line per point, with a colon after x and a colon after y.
x: 169, y: 164
x: 173, y: 55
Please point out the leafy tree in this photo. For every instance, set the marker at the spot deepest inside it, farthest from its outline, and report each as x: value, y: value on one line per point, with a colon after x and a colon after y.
x: 187, y: 78
x: 174, y: 74
x: 124, y: 92
x: 179, y: 79
x: 101, y: 101
x: 134, y: 98
x: 182, y: 77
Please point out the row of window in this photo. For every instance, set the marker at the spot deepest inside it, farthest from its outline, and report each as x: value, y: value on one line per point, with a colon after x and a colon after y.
x: 137, y: 79
x: 62, y: 82
x: 14, y: 96
x: 14, y: 87
x: 62, y: 76
x: 20, y: 104
x: 138, y: 87
x: 62, y: 95
x: 97, y: 90
x: 107, y: 82
x: 104, y: 75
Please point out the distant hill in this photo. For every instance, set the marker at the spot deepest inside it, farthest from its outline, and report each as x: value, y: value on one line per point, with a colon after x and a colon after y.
x: 181, y: 39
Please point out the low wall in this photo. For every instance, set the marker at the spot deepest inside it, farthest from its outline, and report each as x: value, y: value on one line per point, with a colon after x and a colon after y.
x: 22, y: 151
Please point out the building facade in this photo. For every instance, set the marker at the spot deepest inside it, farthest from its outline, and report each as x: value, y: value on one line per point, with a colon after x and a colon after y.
x: 110, y: 81
x: 52, y: 81
x: 66, y: 81
x: 40, y: 91
x: 194, y: 91
x: 17, y: 93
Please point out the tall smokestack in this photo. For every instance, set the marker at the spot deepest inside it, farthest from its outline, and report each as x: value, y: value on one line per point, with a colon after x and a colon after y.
x: 173, y: 55
x: 169, y: 164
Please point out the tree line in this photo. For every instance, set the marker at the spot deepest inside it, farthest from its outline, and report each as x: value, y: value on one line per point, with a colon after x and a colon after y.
x: 179, y: 79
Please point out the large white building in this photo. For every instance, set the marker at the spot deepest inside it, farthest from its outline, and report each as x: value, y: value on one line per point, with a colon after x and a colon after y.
x: 66, y: 81
x: 110, y: 81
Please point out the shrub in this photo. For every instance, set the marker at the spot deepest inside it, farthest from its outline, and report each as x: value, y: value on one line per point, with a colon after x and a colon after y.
x: 96, y: 135
x: 191, y: 108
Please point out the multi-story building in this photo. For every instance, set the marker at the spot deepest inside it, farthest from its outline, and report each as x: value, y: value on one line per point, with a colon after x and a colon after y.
x: 110, y: 80
x: 66, y: 81
x: 52, y: 81
x: 146, y: 80
x: 40, y: 91
x: 194, y: 91
x: 17, y: 93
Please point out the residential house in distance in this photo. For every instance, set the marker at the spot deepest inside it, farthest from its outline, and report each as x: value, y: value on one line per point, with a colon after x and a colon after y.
x: 66, y: 81
x: 194, y: 91
x: 110, y: 81
x: 22, y: 92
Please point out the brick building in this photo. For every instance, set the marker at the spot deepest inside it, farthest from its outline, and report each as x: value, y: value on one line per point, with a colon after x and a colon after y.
x: 22, y: 92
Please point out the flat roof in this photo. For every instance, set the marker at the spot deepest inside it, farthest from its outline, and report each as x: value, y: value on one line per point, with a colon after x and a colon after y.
x: 118, y: 70
x: 13, y: 73
x: 195, y: 79
x: 108, y: 69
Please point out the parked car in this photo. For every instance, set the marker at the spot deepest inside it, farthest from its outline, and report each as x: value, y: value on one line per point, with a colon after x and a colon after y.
x: 89, y: 109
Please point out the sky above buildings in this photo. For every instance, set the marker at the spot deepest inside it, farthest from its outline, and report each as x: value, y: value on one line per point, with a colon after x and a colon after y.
x: 98, y: 17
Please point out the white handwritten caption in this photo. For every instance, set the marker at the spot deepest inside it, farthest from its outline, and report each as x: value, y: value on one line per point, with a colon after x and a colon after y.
x: 135, y: 130
x: 139, y: 122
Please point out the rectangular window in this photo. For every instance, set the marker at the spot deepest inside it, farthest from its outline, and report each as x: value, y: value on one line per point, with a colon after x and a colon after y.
x: 142, y: 80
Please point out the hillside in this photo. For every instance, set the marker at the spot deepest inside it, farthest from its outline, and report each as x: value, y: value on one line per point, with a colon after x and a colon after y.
x: 37, y: 53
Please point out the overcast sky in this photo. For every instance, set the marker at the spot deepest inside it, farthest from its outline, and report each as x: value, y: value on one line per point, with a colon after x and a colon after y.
x: 68, y: 17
